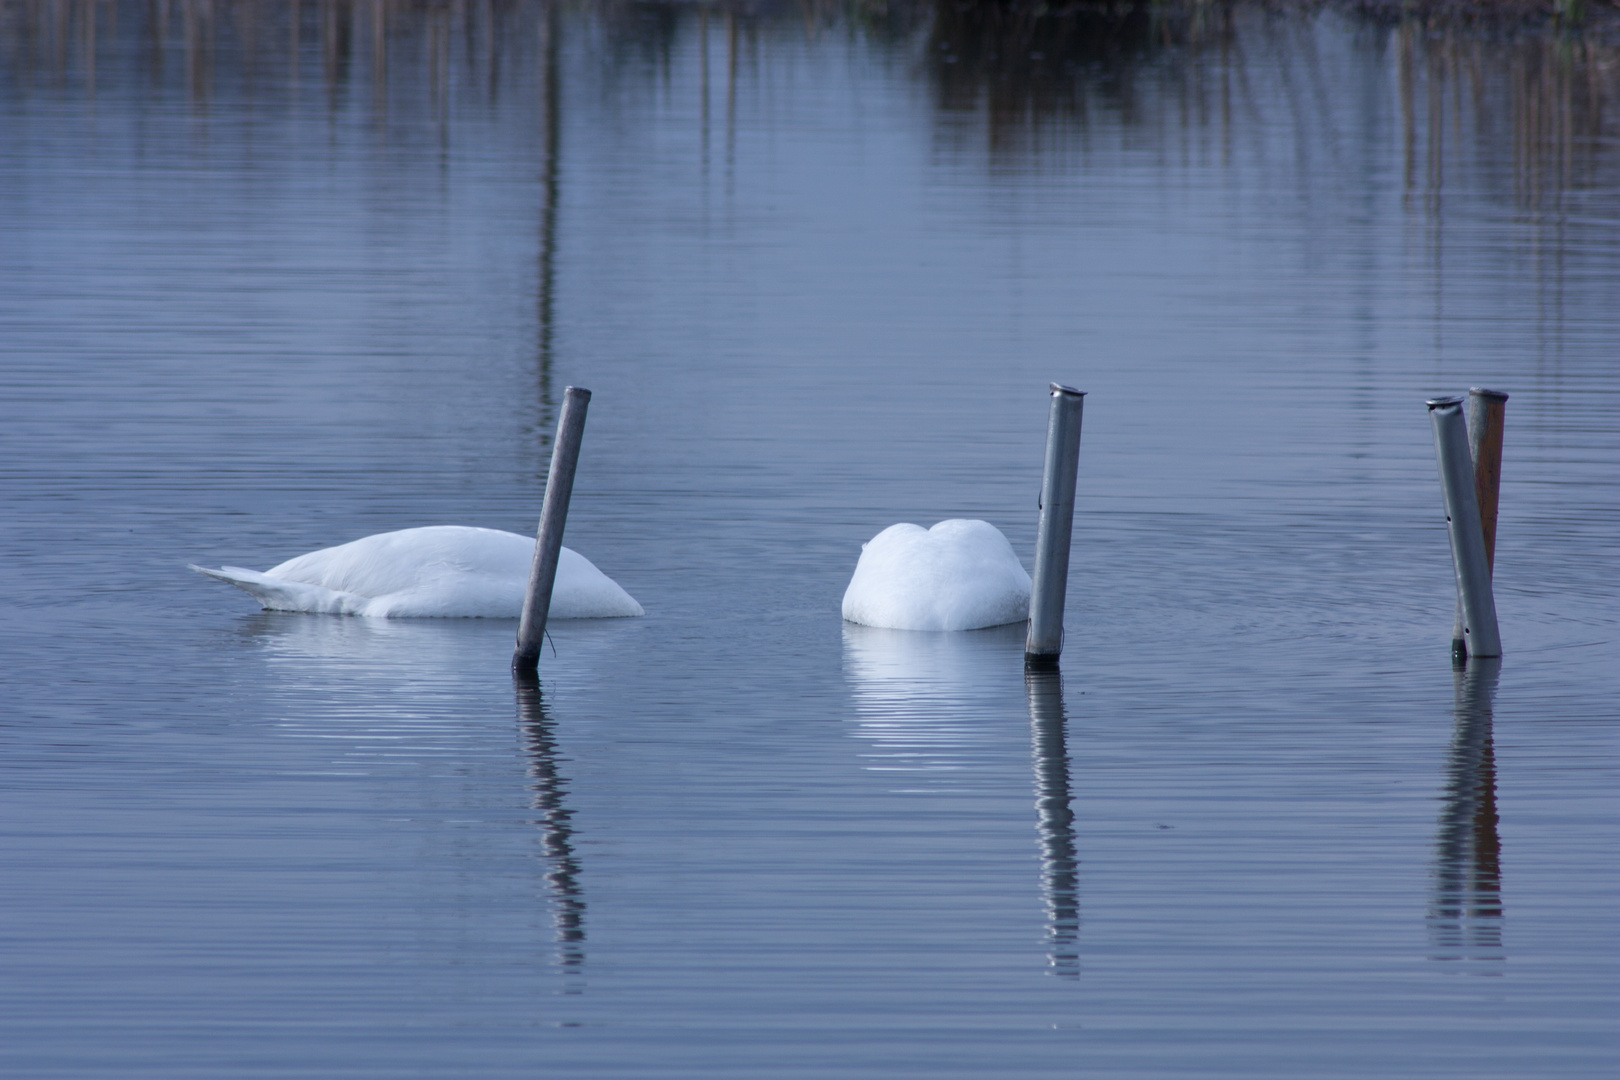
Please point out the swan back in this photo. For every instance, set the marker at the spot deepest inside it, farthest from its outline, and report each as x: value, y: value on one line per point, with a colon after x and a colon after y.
x: 435, y: 571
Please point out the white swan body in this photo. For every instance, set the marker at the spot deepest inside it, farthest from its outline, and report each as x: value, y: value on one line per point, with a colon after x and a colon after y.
x: 441, y: 571
x: 959, y: 575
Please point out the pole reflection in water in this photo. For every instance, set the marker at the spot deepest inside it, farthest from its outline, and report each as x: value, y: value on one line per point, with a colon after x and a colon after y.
x: 1060, y: 867
x: 1465, y: 920
x: 556, y: 829
x: 551, y: 82
x: 933, y: 710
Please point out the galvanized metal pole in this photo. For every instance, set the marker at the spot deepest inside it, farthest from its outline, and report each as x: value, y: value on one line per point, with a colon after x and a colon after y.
x: 1487, y: 410
x: 553, y: 516
x: 1473, y: 568
x: 1051, y: 584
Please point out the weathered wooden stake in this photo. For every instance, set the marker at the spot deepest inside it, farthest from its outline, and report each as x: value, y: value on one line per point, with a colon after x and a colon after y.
x: 553, y: 516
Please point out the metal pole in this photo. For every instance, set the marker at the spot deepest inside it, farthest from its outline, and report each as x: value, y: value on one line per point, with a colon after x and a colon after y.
x: 553, y: 516
x: 1473, y: 568
x: 1486, y: 412
x: 1045, y: 641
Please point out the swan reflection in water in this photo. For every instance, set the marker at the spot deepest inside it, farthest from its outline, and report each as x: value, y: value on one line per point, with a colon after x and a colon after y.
x: 555, y: 821
x: 922, y: 698
x: 1465, y: 918
x: 379, y: 695
x: 924, y: 701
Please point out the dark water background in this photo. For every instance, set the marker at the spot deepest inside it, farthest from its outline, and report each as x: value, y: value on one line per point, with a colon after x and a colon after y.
x: 276, y: 276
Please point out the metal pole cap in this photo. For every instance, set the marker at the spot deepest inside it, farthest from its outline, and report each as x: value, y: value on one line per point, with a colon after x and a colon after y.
x: 1444, y: 402
x: 1494, y: 395
x: 1059, y: 388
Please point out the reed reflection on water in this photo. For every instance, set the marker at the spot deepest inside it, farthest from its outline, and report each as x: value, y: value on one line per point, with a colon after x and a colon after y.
x: 1035, y: 73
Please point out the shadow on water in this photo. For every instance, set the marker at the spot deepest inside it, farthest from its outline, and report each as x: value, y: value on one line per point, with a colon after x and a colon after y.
x: 555, y: 820
x: 1060, y: 864
x: 1465, y: 918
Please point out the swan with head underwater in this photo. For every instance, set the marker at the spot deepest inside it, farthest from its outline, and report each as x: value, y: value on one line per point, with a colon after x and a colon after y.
x: 438, y: 571
x: 959, y: 575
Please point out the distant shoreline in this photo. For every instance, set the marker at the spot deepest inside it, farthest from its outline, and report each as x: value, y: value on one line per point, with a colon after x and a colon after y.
x: 1485, y: 13
x: 1532, y: 11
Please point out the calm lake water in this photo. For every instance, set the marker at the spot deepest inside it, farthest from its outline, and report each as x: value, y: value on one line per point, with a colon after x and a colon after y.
x: 277, y: 276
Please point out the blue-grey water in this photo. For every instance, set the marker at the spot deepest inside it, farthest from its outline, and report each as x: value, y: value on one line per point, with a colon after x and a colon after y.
x: 274, y: 277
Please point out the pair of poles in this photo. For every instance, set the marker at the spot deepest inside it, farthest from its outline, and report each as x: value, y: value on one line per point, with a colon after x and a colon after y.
x: 1469, y: 451
x: 1045, y: 640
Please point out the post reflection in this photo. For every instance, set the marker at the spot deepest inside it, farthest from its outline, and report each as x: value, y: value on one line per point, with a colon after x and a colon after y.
x: 549, y: 788
x: 1465, y: 918
x: 1060, y: 865
x: 551, y: 114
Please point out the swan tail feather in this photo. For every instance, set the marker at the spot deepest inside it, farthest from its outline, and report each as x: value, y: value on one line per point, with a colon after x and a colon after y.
x: 279, y: 594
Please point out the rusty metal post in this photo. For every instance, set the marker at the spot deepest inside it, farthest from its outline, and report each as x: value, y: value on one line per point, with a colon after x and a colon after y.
x: 1487, y: 410
x: 1051, y: 579
x: 553, y: 516
x: 1473, y: 571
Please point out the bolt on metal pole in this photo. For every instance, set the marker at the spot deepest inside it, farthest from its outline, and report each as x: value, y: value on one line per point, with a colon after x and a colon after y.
x: 553, y: 516
x: 1473, y: 569
x: 1051, y: 584
x: 1487, y: 410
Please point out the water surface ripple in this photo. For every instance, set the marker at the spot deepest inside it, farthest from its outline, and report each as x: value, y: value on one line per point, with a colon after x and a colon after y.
x: 274, y: 277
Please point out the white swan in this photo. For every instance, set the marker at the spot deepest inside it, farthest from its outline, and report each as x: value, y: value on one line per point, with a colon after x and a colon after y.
x: 959, y: 575
x: 443, y: 571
